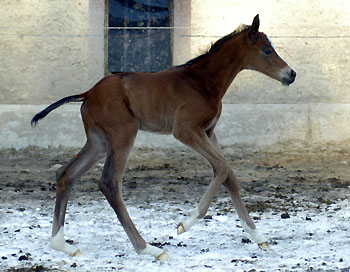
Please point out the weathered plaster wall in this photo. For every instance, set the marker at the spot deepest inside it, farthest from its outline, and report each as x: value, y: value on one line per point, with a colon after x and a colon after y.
x: 51, y: 49
x: 246, y: 125
x: 311, y: 35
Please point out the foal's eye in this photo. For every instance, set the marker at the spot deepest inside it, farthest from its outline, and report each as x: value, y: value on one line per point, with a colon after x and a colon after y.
x: 266, y: 51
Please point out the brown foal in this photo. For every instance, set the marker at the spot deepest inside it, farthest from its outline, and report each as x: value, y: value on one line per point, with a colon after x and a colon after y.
x: 184, y: 100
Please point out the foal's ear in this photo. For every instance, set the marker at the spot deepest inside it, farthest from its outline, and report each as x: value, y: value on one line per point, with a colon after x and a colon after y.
x: 253, y: 33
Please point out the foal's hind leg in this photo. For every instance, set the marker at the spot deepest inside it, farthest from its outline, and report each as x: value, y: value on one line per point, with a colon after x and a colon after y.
x: 231, y: 186
x: 65, y: 177
x: 111, y: 186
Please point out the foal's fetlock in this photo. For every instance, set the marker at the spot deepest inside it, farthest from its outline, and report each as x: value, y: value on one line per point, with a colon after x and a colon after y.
x: 58, y: 243
x: 156, y: 252
x: 189, y: 222
x: 259, y: 238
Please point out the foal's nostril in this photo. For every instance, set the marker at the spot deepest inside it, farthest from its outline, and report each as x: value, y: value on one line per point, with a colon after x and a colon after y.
x: 293, y: 74
x: 288, y: 77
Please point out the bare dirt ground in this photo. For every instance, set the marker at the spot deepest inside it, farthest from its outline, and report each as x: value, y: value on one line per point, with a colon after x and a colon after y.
x: 311, y: 178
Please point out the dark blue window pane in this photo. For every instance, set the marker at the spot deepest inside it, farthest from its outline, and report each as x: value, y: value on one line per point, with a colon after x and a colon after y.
x: 139, y: 49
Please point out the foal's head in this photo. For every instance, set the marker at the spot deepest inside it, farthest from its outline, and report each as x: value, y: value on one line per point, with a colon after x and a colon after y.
x: 264, y: 58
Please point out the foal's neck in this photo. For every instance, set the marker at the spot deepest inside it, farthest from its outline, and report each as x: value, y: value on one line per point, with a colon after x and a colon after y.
x: 218, y: 69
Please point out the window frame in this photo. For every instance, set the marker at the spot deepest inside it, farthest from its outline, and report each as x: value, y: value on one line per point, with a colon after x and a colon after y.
x: 106, y: 34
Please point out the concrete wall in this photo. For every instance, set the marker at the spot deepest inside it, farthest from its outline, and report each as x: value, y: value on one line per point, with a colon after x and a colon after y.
x: 51, y: 49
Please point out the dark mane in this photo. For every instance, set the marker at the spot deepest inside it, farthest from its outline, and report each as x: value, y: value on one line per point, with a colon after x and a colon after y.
x: 215, y: 46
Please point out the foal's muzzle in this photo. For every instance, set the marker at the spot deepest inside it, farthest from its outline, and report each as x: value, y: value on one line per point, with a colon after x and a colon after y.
x: 289, y: 79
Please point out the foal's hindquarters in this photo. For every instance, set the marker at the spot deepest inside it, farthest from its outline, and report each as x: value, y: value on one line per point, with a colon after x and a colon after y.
x: 114, y: 141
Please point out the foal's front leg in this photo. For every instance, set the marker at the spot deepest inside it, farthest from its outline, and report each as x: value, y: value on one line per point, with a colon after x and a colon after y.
x: 247, y: 223
x: 199, y: 141
x: 231, y: 186
x: 223, y: 174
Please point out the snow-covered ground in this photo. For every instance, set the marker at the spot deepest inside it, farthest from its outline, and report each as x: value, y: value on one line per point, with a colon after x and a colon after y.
x: 305, y: 241
x: 315, y: 237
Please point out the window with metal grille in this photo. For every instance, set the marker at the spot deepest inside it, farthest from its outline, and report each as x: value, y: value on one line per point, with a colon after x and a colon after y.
x: 137, y: 41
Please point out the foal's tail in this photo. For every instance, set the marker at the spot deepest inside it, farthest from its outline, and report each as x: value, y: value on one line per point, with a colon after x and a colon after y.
x: 68, y: 99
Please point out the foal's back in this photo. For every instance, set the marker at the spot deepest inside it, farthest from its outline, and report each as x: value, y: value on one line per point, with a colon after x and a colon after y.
x: 153, y: 99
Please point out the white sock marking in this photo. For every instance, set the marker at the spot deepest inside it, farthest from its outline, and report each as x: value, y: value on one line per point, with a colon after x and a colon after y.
x: 58, y: 243
x: 254, y: 233
x: 152, y: 250
x: 193, y: 219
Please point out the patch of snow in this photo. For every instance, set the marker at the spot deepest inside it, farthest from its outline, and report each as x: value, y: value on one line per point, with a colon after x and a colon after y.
x: 55, y: 167
x: 309, y: 239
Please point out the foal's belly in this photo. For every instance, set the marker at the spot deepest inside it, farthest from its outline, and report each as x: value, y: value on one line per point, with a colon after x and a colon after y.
x: 159, y: 126
x: 166, y: 126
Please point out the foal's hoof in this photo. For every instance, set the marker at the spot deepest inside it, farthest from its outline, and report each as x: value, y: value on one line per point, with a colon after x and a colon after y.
x: 163, y: 257
x: 180, y: 229
x: 264, y: 246
x: 77, y: 253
